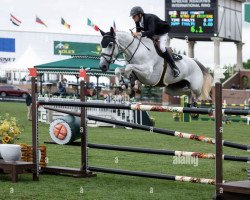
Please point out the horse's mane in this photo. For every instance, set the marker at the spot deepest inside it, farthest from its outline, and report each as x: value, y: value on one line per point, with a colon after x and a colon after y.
x: 122, y: 31
x: 144, y: 39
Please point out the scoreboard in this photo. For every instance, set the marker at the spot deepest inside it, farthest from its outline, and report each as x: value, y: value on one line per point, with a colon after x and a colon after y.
x: 196, y: 19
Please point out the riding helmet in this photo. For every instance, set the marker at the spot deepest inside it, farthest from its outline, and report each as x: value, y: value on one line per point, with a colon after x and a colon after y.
x: 136, y: 11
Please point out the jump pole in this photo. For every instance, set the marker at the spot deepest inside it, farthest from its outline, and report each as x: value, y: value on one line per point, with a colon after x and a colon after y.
x: 143, y: 107
x: 167, y: 152
x: 128, y: 107
x: 156, y: 130
x: 153, y: 175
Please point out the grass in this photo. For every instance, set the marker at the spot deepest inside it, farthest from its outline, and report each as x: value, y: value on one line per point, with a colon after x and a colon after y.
x: 108, y: 186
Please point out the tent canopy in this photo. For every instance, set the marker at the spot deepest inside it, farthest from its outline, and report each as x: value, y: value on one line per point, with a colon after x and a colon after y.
x: 74, y: 64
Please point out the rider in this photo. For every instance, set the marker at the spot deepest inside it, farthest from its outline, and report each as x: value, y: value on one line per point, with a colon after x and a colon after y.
x: 149, y: 25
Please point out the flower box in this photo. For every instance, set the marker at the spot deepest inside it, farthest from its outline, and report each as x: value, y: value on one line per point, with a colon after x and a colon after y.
x: 27, y: 154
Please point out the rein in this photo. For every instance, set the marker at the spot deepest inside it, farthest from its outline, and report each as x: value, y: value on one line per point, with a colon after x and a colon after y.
x: 112, y: 60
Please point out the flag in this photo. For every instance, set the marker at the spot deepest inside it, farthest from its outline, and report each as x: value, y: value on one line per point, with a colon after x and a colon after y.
x: 14, y: 20
x: 39, y: 21
x: 82, y: 73
x: 32, y: 72
x: 114, y: 26
x: 65, y: 24
x: 89, y: 23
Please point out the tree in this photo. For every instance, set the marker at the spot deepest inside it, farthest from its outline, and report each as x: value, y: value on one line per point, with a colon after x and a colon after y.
x: 246, y: 65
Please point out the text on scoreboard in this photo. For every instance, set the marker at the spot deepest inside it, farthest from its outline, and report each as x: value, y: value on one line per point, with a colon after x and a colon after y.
x: 188, y: 21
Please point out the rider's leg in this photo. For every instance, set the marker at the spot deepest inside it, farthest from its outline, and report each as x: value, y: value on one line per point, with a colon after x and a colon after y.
x: 172, y: 64
x: 167, y: 56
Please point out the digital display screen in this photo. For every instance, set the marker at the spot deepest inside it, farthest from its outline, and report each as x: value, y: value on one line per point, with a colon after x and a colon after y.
x: 192, y: 18
x: 191, y: 21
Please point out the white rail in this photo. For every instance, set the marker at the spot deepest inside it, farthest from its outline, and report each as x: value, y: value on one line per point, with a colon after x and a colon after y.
x: 115, y: 114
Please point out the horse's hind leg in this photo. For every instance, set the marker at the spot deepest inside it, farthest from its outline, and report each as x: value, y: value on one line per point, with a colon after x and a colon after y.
x: 195, y: 94
x: 196, y: 86
x: 175, y: 91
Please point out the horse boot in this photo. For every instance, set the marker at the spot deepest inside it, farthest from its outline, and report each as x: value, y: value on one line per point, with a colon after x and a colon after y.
x: 172, y: 64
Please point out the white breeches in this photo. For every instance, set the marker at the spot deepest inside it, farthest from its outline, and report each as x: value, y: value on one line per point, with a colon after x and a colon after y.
x: 163, y: 42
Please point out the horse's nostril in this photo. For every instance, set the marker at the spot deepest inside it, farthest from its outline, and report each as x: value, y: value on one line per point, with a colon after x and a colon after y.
x: 104, y: 67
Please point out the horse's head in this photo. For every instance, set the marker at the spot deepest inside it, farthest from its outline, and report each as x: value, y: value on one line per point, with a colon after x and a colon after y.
x: 109, y: 49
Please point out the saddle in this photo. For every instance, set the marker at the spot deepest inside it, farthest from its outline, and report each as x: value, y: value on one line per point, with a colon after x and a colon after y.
x: 175, y: 56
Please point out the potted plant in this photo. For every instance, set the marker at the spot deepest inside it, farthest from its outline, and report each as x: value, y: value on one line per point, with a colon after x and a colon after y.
x: 9, y: 133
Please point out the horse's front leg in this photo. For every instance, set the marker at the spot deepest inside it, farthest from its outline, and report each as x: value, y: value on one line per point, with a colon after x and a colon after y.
x: 119, y: 72
x: 144, y: 70
x: 127, y: 73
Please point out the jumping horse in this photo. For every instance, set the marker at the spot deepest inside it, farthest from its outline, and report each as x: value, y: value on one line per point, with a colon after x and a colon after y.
x: 143, y: 63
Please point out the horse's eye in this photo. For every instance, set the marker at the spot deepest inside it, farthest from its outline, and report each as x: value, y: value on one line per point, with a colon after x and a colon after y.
x: 110, y: 45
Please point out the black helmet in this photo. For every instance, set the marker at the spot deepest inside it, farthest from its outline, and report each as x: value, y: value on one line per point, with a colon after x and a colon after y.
x: 136, y: 10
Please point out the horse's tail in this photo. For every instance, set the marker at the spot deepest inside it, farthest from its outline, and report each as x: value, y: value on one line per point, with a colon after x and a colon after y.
x: 207, y: 83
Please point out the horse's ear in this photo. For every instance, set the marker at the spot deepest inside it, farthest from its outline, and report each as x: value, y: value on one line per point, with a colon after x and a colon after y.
x: 112, y: 31
x: 103, y: 33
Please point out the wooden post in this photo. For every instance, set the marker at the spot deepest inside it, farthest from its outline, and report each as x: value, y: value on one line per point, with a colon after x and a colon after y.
x: 41, y: 83
x: 218, y: 138
x: 34, y: 128
x: 83, y: 131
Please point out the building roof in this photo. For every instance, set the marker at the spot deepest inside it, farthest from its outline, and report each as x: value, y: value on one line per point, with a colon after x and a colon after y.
x: 72, y: 65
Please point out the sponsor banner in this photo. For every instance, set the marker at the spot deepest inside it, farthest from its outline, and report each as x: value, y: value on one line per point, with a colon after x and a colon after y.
x: 72, y: 48
x: 4, y: 60
x: 7, y: 45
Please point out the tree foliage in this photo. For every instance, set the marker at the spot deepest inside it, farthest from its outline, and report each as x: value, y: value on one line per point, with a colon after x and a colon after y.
x: 246, y: 65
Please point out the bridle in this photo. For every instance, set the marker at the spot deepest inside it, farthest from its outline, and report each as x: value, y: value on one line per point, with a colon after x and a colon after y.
x: 110, y: 56
x: 104, y: 55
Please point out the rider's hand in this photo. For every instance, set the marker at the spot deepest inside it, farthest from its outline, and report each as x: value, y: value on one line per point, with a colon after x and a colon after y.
x: 136, y: 34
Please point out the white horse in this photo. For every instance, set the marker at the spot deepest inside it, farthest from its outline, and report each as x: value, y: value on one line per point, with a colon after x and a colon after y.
x: 150, y: 69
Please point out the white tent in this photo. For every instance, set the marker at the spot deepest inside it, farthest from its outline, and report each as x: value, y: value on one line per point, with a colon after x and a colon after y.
x: 19, y: 68
x: 27, y: 60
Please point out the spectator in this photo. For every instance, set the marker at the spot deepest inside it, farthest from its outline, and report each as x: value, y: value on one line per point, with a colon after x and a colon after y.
x: 107, y: 98
x: 29, y: 109
x: 61, y: 87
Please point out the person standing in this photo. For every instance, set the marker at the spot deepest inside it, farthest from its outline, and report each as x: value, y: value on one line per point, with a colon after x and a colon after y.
x: 29, y: 109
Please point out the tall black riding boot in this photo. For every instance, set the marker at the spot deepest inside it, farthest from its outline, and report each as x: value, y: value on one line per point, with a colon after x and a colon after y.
x: 172, y: 64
